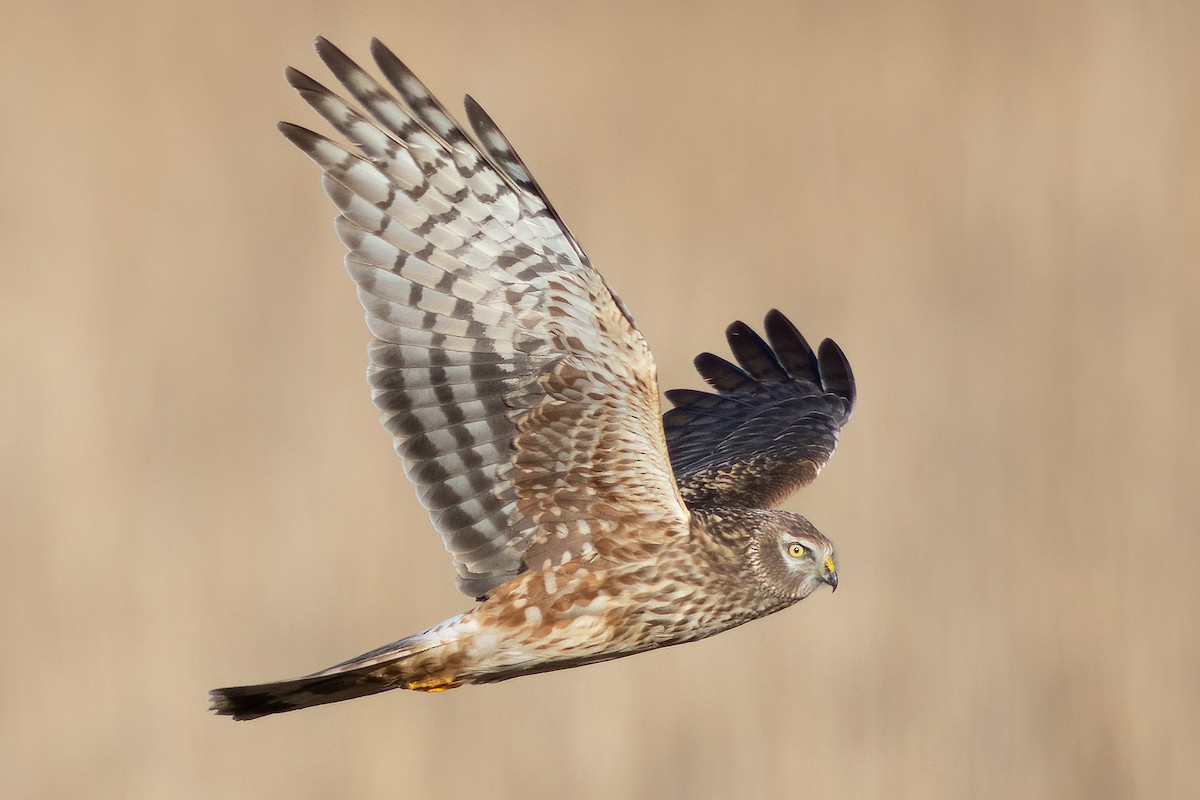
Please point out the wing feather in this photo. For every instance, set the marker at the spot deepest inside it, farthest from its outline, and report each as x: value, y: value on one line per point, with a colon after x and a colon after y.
x: 519, y: 393
x: 772, y: 424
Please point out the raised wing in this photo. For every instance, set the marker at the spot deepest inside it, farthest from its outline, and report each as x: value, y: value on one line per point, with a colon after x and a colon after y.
x: 771, y: 426
x: 521, y: 397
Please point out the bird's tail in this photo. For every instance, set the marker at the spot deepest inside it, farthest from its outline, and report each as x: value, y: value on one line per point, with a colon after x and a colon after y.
x: 417, y: 662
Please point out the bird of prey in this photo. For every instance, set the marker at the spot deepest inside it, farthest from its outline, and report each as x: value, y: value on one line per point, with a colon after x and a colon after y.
x: 523, y: 401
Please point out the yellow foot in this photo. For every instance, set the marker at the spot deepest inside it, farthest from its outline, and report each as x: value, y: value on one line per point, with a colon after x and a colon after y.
x: 439, y: 684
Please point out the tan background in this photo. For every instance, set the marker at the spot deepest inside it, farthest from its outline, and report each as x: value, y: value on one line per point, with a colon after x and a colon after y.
x: 994, y: 208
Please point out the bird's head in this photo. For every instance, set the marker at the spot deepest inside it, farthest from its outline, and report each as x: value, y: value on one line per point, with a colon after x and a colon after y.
x: 791, y: 557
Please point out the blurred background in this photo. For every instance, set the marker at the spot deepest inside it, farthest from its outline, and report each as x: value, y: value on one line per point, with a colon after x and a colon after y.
x: 993, y: 207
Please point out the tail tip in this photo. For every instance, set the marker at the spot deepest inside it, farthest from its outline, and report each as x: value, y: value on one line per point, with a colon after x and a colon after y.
x: 242, y: 706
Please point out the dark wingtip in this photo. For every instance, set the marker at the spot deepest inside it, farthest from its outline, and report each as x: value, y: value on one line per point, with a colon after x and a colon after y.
x: 338, y: 62
x: 721, y: 374
x: 679, y: 396
x: 388, y: 61
x: 475, y: 111
x: 485, y: 128
x: 790, y: 346
x: 753, y: 353
x: 298, y: 135
x: 737, y: 328
x: 836, y: 375
x: 380, y: 50
x: 301, y: 82
x: 398, y: 73
x: 323, y: 45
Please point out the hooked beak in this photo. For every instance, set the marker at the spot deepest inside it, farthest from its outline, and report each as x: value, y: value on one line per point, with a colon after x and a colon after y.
x: 830, y: 576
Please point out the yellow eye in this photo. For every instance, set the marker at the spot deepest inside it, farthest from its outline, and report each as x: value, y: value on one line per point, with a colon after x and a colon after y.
x: 796, y: 550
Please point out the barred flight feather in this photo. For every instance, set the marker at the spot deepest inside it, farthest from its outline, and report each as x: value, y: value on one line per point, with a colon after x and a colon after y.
x: 520, y: 395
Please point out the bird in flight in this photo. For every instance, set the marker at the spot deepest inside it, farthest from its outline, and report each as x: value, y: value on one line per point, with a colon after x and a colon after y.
x: 586, y: 524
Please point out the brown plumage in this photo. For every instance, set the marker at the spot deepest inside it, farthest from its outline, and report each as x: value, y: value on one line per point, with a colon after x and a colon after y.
x: 524, y: 403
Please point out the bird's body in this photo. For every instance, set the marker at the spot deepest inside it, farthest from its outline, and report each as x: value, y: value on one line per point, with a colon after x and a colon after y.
x: 524, y: 403
x: 636, y: 596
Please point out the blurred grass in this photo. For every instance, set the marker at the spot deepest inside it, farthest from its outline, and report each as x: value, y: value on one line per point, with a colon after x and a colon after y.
x: 994, y: 208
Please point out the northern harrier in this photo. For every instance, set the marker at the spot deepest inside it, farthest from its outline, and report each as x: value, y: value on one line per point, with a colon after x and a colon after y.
x: 524, y: 403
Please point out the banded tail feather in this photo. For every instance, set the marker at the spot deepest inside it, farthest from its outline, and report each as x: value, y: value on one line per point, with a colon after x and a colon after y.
x: 252, y: 702
x: 421, y: 662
